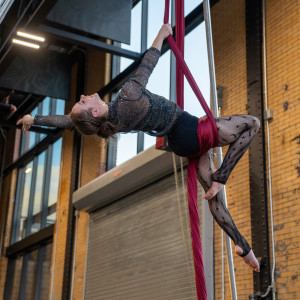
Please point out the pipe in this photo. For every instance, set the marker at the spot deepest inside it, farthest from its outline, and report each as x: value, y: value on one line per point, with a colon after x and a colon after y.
x: 213, y: 84
x: 265, y: 84
x: 1, y: 176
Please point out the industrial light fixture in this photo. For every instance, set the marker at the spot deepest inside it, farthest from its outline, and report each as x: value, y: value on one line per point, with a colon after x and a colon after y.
x: 30, y: 36
x: 19, y: 42
x: 28, y: 170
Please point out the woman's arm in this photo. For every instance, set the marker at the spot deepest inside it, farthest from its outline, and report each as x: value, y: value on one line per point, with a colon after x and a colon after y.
x: 59, y: 121
x: 133, y: 89
x: 163, y: 33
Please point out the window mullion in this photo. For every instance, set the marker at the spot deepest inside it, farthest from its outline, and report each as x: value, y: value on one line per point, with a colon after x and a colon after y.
x: 39, y: 273
x: 31, y: 196
x: 112, y: 146
x: 47, y: 173
x: 23, y: 279
x: 19, y: 196
x: 144, y: 32
x: 9, y: 278
x: 46, y: 185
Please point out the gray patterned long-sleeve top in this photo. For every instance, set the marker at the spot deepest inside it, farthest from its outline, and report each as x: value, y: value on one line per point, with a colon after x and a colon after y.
x: 135, y: 109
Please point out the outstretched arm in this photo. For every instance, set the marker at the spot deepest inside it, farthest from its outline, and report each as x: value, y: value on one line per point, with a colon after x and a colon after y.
x: 59, y: 121
x: 132, y: 90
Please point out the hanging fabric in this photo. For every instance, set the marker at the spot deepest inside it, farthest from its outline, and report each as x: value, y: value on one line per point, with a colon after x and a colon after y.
x: 206, y: 123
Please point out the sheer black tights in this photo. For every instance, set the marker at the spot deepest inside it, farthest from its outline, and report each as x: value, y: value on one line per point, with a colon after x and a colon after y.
x: 237, y: 131
x: 217, y: 205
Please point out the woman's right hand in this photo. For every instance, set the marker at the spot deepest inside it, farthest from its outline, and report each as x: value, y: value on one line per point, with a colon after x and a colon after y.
x: 27, y: 122
x: 165, y: 31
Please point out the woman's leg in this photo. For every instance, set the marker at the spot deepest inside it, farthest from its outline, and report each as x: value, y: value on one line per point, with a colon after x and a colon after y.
x: 237, y: 131
x: 222, y: 215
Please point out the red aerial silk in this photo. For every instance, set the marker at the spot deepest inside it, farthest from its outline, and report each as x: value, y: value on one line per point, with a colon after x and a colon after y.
x: 206, y: 128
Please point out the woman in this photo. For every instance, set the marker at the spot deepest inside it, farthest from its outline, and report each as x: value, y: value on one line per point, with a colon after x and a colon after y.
x: 137, y: 109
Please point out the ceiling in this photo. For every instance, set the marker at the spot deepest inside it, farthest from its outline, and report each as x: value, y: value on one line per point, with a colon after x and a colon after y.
x: 28, y: 75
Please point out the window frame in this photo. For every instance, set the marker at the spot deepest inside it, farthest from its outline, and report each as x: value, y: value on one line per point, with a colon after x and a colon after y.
x: 115, y: 67
x: 45, y: 184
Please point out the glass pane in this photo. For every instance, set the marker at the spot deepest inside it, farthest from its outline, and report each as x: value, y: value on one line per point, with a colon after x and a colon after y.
x: 159, y: 81
x: 46, y: 105
x: 135, y: 32
x: 14, y: 274
x: 45, y: 112
x: 127, y: 143
x: 54, y: 181
x: 149, y: 141
x: 28, y: 139
x: 23, y: 213
x: 197, y: 61
x: 60, y: 107
x: 127, y: 147
x: 38, y: 195
x: 30, y: 273
x: 45, y: 273
x: 155, y: 19
x: 124, y: 63
x: 190, y: 5
x: 135, y: 36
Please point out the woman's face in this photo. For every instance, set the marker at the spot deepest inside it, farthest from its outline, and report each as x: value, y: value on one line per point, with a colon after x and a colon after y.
x: 91, y: 102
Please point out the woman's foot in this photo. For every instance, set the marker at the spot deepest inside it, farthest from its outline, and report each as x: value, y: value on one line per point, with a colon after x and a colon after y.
x: 249, y: 259
x: 214, y: 189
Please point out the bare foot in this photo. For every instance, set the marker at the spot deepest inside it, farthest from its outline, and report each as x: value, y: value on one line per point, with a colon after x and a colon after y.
x: 249, y: 259
x: 214, y: 189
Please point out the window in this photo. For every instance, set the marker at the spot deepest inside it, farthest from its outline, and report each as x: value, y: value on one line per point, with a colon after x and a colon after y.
x: 38, y: 181
x: 161, y: 80
x: 127, y: 143
x: 28, y: 276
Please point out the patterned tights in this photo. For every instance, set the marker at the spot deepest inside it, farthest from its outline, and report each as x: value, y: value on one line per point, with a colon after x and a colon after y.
x: 237, y: 131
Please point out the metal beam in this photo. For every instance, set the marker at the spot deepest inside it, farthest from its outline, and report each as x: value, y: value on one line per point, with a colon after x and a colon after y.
x: 30, y: 242
x: 86, y: 41
x: 257, y: 157
x: 32, y: 128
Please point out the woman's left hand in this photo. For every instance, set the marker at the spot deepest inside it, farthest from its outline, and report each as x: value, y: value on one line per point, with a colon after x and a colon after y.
x: 26, y: 122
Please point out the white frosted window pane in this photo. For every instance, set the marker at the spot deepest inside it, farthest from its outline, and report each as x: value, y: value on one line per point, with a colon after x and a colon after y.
x: 127, y: 147
x: 197, y: 61
x: 149, y: 141
x: 190, y: 5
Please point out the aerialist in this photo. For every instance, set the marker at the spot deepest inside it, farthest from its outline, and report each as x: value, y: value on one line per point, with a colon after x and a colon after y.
x: 137, y: 109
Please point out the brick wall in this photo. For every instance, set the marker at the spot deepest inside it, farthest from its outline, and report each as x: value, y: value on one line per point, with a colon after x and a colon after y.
x: 283, y: 67
x: 7, y: 195
x: 283, y: 27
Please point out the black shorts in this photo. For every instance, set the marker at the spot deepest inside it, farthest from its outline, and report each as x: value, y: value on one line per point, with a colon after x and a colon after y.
x: 183, y: 138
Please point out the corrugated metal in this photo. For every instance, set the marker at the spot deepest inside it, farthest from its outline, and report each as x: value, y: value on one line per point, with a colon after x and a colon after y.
x: 140, y: 249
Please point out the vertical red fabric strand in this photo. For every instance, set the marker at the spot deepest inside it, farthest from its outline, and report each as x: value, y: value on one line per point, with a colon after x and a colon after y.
x: 177, y: 49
